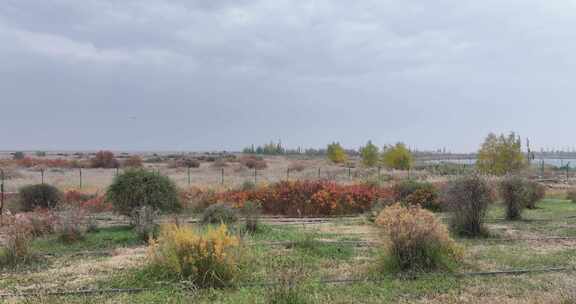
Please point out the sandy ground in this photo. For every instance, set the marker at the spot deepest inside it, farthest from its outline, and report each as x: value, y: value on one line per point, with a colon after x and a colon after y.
x: 94, y: 180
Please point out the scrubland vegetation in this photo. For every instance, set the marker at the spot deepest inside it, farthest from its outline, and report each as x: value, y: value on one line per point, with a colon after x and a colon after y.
x: 388, y: 237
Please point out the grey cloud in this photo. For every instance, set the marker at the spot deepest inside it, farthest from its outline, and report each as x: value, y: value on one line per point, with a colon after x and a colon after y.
x: 222, y: 74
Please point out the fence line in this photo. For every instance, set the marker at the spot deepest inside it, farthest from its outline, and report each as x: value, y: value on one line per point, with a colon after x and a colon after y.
x: 220, y: 175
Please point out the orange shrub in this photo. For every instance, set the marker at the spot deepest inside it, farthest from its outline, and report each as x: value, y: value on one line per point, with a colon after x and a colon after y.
x: 97, y: 204
x: 104, y: 159
x: 29, y: 162
x: 197, y: 199
x: 77, y: 197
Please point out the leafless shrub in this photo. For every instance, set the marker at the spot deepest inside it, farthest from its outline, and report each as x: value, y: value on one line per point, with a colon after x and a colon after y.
x: 72, y: 224
x: 219, y: 163
x: 536, y: 192
x: 468, y: 198
x: 253, y: 162
x: 144, y: 221
x: 515, y: 195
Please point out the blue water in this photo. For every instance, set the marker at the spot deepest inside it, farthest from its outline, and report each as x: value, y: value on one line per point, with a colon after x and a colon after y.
x: 556, y: 162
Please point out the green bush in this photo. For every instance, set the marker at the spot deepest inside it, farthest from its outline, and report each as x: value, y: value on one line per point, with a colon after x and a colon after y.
x: 220, y: 213
x: 18, y: 155
x: 137, y: 188
x: 468, y: 198
x: 39, y: 196
x: 415, y: 193
x: 251, y: 212
x: 248, y: 186
x: 536, y: 192
x: 515, y: 195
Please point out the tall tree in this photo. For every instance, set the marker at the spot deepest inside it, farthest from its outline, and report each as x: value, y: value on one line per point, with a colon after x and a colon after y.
x: 336, y: 153
x: 369, y: 154
x: 397, y: 157
x: 501, y: 155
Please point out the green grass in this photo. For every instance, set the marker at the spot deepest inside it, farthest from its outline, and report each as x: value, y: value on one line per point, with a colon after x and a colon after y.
x: 521, y: 256
x: 546, y: 209
x: 307, y: 262
x: 311, y: 291
x: 103, y: 239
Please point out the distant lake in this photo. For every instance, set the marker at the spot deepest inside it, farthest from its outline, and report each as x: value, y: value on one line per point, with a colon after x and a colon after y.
x: 557, y: 162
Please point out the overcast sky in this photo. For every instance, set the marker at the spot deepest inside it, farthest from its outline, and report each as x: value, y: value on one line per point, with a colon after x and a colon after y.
x: 223, y: 74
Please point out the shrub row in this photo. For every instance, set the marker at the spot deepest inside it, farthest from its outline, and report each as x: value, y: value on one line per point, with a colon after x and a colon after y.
x: 310, y: 198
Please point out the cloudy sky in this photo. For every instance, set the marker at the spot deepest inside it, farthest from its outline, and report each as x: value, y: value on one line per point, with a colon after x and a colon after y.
x: 222, y: 74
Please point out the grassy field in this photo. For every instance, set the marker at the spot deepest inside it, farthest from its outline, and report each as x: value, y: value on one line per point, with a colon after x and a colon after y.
x: 111, y: 258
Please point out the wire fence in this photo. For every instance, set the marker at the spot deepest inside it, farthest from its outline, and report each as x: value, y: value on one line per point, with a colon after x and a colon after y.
x: 230, y: 176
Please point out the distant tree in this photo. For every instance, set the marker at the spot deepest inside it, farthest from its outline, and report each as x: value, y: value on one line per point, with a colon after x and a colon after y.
x: 397, y: 157
x: 369, y: 154
x: 104, y: 159
x: 501, y: 155
x: 336, y: 153
x: 267, y: 149
x: 40, y: 153
x: 18, y: 155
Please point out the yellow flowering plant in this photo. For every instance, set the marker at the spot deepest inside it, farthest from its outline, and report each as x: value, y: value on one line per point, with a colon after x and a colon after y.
x: 208, y: 259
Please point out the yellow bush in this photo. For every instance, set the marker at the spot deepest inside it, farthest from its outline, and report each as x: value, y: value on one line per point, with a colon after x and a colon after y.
x: 18, y: 242
x: 417, y: 240
x: 207, y: 259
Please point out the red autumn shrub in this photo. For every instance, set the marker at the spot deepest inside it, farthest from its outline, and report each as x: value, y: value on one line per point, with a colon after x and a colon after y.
x: 310, y: 198
x: 97, y: 204
x: 29, y: 162
x: 40, y: 221
x: 197, y: 199
x: 76, y: 197
x: 104, y: 159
